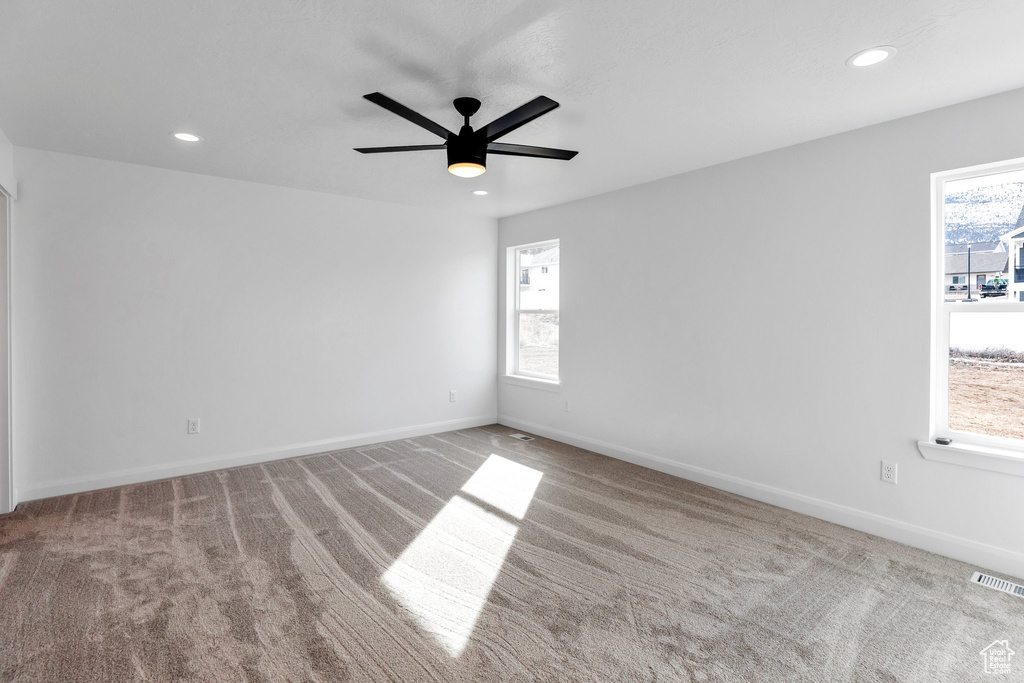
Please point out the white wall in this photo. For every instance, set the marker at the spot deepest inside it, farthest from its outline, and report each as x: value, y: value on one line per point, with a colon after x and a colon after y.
x: 287, y: 321
x: 8, y: 188
x: 792, y: 395
x: 6, y: 497
x: 8, y: 183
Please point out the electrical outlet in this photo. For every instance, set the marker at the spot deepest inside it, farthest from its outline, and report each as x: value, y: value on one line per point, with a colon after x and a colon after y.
x: 567, y: 406
x: 451, y: 396
x: 888, y: 472
x: 193, y: 425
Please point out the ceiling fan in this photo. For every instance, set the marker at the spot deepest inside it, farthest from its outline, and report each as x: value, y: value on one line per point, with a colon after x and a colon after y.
x: 467, y: 151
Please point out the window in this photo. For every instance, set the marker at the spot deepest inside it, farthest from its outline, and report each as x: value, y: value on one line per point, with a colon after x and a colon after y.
x: 533, y: 324
x: 978, y: 385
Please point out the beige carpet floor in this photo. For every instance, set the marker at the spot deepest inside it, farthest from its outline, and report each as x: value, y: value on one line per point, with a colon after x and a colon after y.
x: 470, y: 555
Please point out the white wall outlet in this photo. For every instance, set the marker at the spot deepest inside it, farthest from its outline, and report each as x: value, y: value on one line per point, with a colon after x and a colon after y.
x: 193, y: 425
x: 567, y: 406
x: 451, y: 396
x: 888, y: 472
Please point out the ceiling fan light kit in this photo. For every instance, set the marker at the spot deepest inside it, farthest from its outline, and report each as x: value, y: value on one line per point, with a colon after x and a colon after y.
x: 467, y: 151
x: 465, y: 169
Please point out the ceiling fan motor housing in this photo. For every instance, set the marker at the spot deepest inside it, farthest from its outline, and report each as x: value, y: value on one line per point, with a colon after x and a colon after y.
x: 466, y: 148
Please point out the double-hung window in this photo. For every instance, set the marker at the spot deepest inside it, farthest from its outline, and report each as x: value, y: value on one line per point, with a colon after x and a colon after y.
x: 533, y: 338
x: 977, y: 412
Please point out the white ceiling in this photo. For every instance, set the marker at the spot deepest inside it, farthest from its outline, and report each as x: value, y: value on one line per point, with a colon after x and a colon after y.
x: 648, y: 88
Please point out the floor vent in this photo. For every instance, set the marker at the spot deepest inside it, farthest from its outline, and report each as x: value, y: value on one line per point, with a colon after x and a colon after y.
x: 998, y: 584
x: 521, y: 437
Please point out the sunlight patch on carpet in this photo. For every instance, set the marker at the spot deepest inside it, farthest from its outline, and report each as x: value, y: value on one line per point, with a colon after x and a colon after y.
x: 446, y: 574
x: 505, y: 484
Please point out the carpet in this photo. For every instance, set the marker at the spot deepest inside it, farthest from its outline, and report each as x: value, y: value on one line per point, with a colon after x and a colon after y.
x: 470, y: 555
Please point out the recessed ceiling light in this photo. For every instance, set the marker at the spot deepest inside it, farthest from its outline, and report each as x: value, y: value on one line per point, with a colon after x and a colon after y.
x: 480, y: 193
x: 187, y: 137
x: 871, y: 56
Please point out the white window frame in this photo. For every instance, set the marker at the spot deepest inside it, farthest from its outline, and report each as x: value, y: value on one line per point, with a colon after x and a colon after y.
x: 1001, y: 454
x: 514, y: 374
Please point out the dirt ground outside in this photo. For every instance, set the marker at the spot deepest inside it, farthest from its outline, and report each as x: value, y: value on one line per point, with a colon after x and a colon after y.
x: 538, y: 343
x: 986, y: 398
x: 542, y: 359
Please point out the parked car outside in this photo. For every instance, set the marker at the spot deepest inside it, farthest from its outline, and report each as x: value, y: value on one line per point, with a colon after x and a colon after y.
x: 994, y: 287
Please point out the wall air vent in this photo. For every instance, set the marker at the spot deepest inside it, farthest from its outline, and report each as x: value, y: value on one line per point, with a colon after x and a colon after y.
x: 521, y: 437
x: 998, y: 584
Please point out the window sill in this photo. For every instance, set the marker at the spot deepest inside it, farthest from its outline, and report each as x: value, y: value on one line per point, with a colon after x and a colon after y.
x: 533, y: 383
x: 972, y: 455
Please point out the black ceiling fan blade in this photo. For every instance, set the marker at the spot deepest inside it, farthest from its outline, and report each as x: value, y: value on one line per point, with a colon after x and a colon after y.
x: 406, y: 148
x: 530, y: 151
x: 516, y: 118
x: 408, y: 114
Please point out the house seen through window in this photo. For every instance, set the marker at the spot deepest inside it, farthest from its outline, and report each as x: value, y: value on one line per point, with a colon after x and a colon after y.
x: 979, y: 391
x: 534, y: 333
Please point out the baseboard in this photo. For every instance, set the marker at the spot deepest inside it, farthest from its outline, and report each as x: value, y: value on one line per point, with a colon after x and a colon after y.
x: 963, y: 549
x: 140, y: 474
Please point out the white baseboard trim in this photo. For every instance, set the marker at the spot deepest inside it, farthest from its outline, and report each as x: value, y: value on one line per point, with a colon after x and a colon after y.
x: 136, y: 475
x: 963, y: 549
